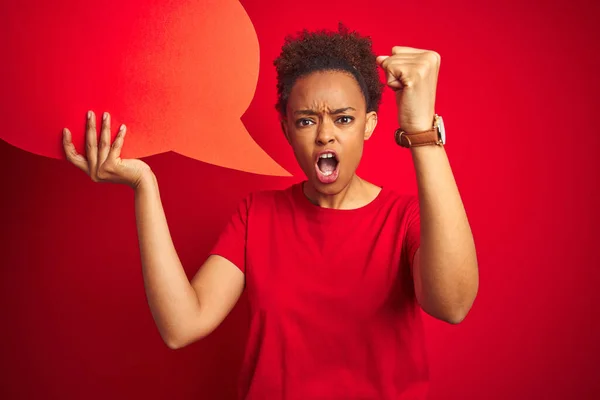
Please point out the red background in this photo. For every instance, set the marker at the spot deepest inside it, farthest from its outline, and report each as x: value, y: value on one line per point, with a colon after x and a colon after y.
x: 517, y: 89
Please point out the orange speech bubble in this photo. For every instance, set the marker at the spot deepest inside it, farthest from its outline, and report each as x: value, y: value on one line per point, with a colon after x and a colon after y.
x: 179, y: 74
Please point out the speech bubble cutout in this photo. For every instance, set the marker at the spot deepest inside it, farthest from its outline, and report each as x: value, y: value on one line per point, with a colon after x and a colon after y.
x: 179, y: 74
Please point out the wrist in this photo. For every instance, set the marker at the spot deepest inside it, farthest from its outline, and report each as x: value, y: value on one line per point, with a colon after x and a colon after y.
x: 146, y: 180
x: 417, y: 127
x: 419, y: 124
x: 434, y: 134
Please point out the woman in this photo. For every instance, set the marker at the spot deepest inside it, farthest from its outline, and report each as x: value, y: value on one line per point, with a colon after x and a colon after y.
x: 336, y: 268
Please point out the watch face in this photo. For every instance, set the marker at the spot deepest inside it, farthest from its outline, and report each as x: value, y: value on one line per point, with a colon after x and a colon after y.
x: 441, y: 129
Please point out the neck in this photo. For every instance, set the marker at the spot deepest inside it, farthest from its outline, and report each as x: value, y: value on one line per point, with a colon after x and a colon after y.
x: 357, y: 193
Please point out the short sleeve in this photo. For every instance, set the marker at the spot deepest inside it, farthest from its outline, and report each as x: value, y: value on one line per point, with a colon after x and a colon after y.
x: 232, y: 241
x: 412, y: 240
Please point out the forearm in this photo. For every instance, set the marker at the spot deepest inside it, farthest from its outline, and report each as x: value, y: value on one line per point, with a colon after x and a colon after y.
x: 447, y: 271
x: 172, y: 299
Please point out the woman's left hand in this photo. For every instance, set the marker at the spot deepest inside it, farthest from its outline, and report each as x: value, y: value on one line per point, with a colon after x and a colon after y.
x: 413, y: 74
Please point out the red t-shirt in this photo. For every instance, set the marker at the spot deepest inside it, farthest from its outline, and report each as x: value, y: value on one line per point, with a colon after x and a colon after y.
x: 332, y: 302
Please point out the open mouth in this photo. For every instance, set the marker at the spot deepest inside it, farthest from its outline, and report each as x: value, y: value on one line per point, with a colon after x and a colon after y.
x: 327, y: 167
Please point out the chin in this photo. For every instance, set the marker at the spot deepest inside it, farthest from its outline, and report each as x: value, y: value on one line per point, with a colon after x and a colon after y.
x: 330, y: 188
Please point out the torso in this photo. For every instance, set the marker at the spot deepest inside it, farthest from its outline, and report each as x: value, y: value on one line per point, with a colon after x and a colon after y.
x: 333, y: 311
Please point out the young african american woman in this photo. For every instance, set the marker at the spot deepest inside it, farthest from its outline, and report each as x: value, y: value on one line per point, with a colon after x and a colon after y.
x: 336, y: 268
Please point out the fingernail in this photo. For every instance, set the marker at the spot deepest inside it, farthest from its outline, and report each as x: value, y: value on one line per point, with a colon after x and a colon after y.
x: 89, y: 115
x: 122, y: 128
x: 104, y: 116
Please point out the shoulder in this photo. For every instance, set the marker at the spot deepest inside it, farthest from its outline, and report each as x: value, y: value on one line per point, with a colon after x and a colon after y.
x: 269, y: 198
x: 398, y: 200
x: 398, y: 207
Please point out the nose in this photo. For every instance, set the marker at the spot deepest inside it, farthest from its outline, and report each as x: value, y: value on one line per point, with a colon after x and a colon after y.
x: 325, y: 134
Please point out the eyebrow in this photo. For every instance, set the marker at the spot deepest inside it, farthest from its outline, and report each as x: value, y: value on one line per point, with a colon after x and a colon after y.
x: 313, y: 112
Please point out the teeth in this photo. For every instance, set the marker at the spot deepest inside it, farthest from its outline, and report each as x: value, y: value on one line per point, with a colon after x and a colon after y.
x: 326, y: 155
x: 328, y: 173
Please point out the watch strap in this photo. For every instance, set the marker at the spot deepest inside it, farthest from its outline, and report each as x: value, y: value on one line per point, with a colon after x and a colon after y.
x: 425, y: 138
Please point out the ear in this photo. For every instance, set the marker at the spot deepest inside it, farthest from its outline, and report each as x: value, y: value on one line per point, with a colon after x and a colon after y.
x: 371, y: 124
x: 284, y: 128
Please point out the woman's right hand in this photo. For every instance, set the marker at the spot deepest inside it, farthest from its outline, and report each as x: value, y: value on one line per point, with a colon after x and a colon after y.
x: 104, y: 162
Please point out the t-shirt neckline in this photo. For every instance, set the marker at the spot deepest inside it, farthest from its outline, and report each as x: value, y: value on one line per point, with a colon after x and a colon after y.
x: 298, y: 191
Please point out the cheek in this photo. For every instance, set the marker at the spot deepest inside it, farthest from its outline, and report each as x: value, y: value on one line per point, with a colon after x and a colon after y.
x: 352, y: 160
x: 302, y: 151
x: 353, y: 149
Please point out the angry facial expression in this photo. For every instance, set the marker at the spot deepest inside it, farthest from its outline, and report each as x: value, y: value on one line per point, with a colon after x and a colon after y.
x: 326, y: 124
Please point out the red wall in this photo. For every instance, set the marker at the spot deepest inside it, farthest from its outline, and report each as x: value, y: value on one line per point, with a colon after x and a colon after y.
x: 518, y: 91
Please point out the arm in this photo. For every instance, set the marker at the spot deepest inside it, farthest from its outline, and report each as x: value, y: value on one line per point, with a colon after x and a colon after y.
x: 184, y: 312
x: 445, y: 266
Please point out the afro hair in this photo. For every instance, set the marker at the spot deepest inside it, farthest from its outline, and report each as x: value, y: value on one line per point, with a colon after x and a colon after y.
x: 324, y: 50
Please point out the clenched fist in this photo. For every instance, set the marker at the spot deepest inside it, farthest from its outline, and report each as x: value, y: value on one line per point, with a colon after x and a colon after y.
x: 104, y: 162
x: 413, y: 74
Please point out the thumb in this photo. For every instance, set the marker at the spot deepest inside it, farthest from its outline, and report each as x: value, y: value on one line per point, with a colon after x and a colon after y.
x: 381, y: 59
x: 392, y: 81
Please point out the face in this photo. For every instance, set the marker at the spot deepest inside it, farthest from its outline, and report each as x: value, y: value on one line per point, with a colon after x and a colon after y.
x: 326, y: 124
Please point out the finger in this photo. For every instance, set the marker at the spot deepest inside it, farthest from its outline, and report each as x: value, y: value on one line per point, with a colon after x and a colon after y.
x: 426, y: 56
x: 394, y: 83
x: 406, y: 50
x: 406, y: 75
x: 71, y: 153
x: 104, y: 145
x: 380, y: 59
x: 115, y: 150
x: 399, y: 70
x: 91, y: 144
x: 403, y: 57
x: 392, y: 75
x: 386, y: 62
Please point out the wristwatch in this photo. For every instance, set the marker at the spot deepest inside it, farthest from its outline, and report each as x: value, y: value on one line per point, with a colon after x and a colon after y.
x: 436, y: 135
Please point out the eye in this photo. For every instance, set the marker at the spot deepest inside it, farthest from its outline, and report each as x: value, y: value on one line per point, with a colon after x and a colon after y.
x: 345, y: 119
x: 304, y: 122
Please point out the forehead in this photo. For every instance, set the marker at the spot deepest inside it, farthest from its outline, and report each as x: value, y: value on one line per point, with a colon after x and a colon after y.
x: 326, y: 89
